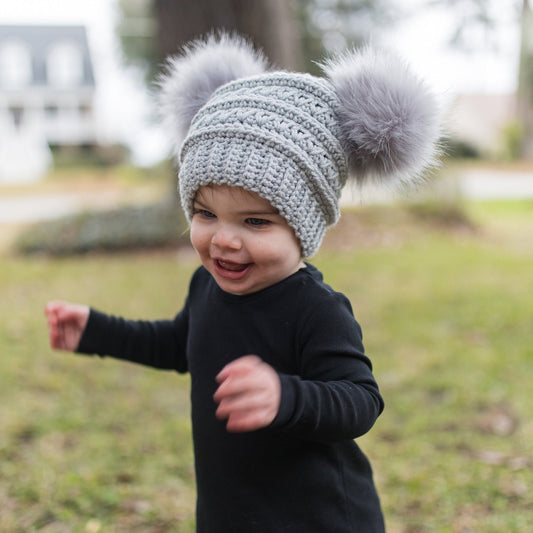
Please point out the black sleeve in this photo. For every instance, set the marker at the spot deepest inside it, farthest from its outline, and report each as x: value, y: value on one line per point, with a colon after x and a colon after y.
x: 159, y: 344
x: 335, y: 396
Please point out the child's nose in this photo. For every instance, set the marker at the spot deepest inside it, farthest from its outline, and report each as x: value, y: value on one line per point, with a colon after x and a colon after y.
x: 225, y: 237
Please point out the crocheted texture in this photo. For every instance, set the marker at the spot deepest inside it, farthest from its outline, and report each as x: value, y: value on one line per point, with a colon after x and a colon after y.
x: 274, y: 134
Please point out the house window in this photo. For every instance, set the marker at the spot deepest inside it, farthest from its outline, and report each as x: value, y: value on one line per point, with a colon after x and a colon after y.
x: 85, y: 109
x: 17, y: 114
x: 15, y: 64
x: 64, y: 65
x: 51, y: 110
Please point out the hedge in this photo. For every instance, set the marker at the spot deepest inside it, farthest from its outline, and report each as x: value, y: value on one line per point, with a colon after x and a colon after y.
x: 125, y: 228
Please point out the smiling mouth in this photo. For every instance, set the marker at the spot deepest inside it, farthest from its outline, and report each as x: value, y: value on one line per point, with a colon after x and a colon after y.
x: 230, y: 270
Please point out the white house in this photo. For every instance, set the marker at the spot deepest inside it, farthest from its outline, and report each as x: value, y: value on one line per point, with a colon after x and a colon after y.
x: 480, y: 120
x: 46, y: 97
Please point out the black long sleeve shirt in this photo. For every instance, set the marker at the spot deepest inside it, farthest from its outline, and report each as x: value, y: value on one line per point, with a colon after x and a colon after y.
x: 304, y: 473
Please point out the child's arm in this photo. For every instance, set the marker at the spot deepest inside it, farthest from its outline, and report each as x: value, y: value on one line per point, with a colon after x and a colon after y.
x: 156, y: 343
x: 333, y: 396
x: 77, y: 328
x: 66, y: 324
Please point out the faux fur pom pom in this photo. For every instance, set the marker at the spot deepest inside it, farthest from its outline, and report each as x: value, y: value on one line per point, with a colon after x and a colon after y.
x: 191, y: 78
x: 389, y: 119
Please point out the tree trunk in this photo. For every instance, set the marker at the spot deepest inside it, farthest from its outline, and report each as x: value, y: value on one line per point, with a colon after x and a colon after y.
x: 525, y: 82
x: 270, y: 24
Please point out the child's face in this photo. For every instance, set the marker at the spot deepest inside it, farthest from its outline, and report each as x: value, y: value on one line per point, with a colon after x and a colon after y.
x: 242, y: 240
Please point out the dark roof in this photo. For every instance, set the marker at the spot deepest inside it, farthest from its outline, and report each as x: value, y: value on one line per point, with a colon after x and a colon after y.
x: 39, y: 40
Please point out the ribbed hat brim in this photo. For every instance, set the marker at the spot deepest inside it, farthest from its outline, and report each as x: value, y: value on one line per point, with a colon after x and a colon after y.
x: 252, y: 165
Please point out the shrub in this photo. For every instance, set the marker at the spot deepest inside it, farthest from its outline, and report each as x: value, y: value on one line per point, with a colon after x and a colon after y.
x: 125, y: 228
x: 512, y: 140
x: 460, y: 149
x: 442, y: 214
x: 90, y: 155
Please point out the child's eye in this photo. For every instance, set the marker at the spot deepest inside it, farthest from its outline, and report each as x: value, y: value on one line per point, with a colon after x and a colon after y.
x: 204, y: 213
x: 257, y: 221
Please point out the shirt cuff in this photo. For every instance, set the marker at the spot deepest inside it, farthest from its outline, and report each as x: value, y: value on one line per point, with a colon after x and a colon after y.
x: 89, y: 344
x: 288, y: 399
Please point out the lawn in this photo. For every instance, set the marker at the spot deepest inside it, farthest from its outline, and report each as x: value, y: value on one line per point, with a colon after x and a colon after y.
x: 90, y: 445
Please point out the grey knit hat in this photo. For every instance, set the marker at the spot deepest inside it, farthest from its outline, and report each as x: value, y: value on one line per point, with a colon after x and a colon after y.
x: 292, y: 138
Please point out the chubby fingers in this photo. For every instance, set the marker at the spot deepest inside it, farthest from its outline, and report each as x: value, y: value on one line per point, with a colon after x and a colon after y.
x: 66, y: 322
x: 53, y: 306
x: 248, y: 395
x: 51, y: 311
x: 240, y: 366
x: 64, y: 311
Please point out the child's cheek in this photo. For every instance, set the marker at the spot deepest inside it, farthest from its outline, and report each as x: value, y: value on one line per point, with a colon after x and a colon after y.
x: 196, y: 235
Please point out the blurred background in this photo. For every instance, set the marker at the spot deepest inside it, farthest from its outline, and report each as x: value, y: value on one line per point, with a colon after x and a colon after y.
x: 440, y: 277
x: 102, y: 58
x: 77, y: 81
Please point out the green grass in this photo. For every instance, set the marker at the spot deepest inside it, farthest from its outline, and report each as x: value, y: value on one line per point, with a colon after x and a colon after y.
x: 93, y: 445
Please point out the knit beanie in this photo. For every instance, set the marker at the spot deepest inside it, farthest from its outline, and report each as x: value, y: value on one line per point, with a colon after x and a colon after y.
x: 293, y: 138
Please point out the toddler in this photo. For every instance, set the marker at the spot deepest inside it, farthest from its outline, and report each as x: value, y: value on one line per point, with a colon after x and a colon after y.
x: 280, y: 383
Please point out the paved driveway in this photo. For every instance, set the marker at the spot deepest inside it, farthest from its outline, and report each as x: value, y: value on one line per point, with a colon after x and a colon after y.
x: 494, y: 185
x: 31, y: 208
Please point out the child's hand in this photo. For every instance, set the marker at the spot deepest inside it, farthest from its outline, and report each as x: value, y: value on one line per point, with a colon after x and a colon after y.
x: 66, y: 323
x: 249, y: 394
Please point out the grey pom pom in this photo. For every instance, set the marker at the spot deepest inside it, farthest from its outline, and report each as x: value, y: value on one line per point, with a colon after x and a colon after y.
x: 192, y: 77
x: 389, y: 119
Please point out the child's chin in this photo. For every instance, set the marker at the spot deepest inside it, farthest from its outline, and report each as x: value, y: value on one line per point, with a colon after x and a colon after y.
x: 236, y: 288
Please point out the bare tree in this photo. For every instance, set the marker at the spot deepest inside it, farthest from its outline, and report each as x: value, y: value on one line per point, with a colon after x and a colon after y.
x: 525, y: 81
x: 293, y: 33
x: 271, y: 25
x: 150, y: 30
